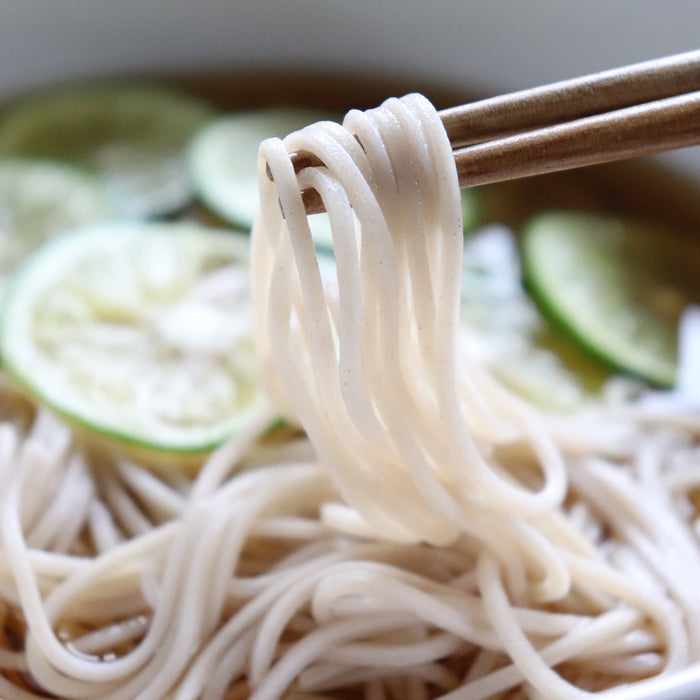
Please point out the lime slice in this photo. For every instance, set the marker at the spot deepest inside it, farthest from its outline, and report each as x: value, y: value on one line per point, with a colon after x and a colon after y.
x: 617, y: 286
x: 39, y: 199
x: 224, y: 159
x: 134, y: 135
x: 138, y: 331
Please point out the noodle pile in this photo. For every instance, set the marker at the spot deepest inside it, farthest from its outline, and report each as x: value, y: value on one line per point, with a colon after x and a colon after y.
x: 427, y: 535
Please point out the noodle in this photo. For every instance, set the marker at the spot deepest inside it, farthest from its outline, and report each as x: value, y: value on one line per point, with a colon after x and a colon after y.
x: 431, y: 534
x: 388, y: 326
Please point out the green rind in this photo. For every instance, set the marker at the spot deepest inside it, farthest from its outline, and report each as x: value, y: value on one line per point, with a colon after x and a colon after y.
x: 83, y: 176
x: 240, y: 135
x: 41, y: 199
x: 598, y: 336
x: 22, y: 375
x: 30, y: 117
x: 59, y: 124
x: 111, y: 433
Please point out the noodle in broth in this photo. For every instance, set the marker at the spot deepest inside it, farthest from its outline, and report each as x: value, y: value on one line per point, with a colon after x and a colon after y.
x: 433, y: 536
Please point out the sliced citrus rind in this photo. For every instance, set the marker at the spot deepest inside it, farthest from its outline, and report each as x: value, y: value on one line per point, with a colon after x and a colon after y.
x: 135, y: 135
x: 40, y: 199
x: 141, y: 332
x: 616, y: 286
x: 223, y: 160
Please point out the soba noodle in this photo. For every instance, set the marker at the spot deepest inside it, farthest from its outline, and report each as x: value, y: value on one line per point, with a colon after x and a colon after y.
x: 429, y: 535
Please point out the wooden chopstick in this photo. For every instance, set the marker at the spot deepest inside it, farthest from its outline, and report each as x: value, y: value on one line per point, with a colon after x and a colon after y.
x: 662, y: 125
x: 632, y: 111
x: 567, y: 100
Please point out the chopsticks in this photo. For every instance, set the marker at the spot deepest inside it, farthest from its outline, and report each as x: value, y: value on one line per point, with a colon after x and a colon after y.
x: 661, y: 125
x: 627, y: 112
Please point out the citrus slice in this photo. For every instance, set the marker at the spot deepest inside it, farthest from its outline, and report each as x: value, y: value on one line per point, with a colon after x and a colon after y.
x: 616, y: 286
x: 140, y: 331
x: 133, y: 134
x: 39, y: 199
x: 223, y: 161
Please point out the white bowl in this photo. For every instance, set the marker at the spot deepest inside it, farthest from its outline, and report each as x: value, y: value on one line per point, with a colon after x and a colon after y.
x: 492, y: 45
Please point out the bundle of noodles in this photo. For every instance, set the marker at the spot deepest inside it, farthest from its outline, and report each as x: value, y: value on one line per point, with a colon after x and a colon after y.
x: 393, y: 412
x: 432, y: 537
x: 421, y: 444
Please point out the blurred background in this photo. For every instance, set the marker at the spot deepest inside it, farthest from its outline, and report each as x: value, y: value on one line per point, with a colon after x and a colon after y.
x: 488, y: 46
